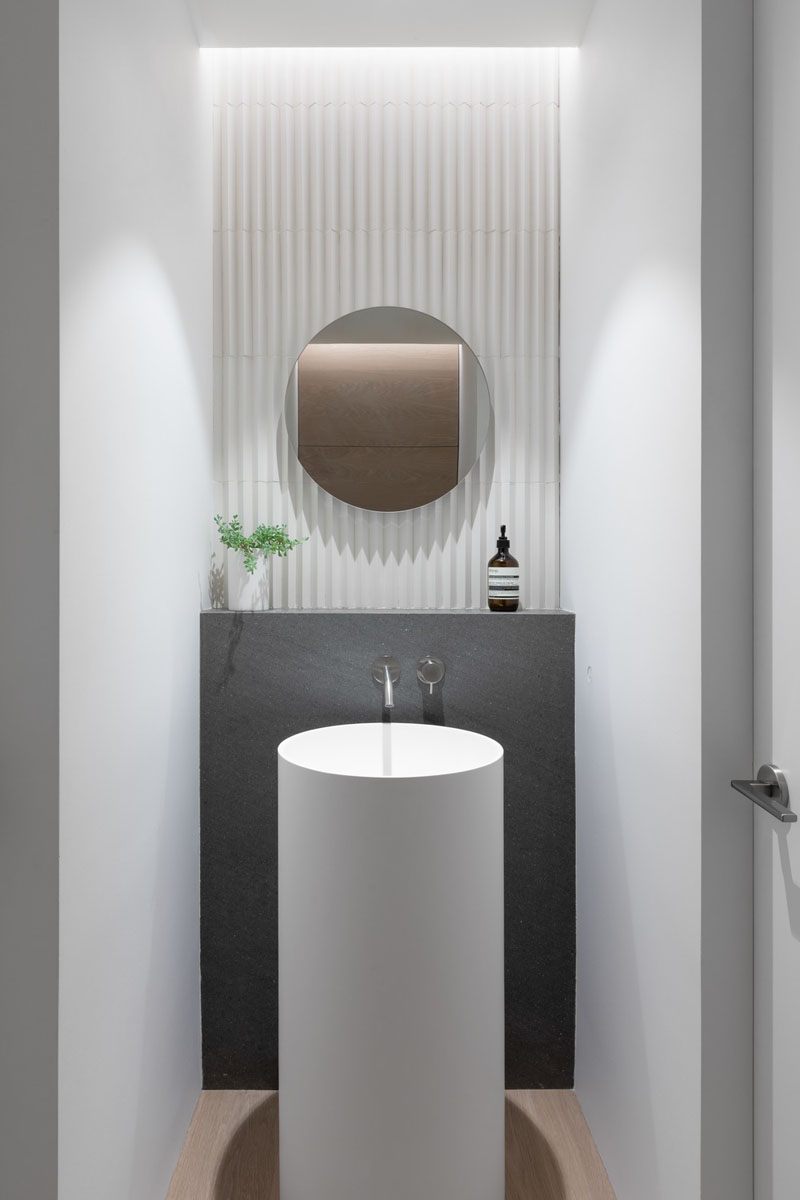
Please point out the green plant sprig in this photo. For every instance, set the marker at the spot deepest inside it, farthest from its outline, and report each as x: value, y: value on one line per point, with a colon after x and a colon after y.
x: 268, y: 539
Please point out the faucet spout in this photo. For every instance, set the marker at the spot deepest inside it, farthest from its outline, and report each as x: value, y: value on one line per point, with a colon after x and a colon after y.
x: 385, y: 673
x: 388, y: 688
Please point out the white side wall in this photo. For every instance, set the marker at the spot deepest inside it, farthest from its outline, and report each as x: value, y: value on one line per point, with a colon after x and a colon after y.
x: 656, y: 562
x: 29, y: 604
x: 135, y: 507
x: 631, y: 457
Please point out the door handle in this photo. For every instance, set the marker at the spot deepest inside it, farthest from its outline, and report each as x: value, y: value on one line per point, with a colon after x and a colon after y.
x: 769, y: 791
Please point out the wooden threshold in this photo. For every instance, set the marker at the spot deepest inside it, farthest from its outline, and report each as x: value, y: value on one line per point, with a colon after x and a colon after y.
x: 231, y: 1149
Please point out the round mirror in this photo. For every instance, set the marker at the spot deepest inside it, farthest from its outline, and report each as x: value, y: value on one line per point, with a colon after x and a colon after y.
x: 387, y: 409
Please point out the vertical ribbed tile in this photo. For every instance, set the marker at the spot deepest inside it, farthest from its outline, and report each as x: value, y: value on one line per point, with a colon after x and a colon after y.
x: 427, y: 179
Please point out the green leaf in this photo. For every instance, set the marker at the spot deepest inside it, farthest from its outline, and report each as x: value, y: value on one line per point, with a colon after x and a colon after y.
x: 266, y: 539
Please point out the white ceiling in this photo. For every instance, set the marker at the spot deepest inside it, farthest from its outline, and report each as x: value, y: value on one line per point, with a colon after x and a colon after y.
x: 390, y: 22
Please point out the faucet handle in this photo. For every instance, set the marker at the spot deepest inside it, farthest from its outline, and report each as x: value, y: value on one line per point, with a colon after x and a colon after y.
x: 430, y: 671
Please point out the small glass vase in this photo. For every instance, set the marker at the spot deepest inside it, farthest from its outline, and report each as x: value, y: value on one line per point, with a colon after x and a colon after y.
x: 248, y: 593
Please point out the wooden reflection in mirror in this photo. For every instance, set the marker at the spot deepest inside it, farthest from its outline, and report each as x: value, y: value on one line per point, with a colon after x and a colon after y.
x: 378, y: 423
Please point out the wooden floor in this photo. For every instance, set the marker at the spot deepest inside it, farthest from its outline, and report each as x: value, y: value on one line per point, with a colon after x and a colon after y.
x: 231, y: 1149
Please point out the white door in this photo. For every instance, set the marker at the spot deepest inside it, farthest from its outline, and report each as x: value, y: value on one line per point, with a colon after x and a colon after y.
x: 777, y: 593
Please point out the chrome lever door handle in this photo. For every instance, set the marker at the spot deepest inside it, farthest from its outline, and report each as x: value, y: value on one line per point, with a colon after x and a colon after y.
x: 769, y: 791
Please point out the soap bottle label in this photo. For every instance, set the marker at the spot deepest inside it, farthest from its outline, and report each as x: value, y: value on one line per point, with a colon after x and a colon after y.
x: 503, y: 583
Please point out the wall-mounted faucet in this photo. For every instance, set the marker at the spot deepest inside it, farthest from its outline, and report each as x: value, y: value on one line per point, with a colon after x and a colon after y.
x: 386, y: 672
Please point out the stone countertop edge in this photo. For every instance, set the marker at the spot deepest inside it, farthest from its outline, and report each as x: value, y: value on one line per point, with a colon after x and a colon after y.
x: 385, y: 612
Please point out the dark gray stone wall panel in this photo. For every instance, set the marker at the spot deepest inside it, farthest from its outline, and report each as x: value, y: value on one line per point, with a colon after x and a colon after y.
x: 268, y: 675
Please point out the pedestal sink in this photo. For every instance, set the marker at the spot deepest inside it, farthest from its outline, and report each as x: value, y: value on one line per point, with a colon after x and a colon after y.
x: 390, y: 911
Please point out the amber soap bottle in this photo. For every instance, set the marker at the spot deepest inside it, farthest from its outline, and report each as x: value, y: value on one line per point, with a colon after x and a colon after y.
x: 503, y: 577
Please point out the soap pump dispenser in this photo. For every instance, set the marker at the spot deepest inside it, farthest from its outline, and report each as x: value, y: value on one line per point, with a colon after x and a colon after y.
x: 503, y: 577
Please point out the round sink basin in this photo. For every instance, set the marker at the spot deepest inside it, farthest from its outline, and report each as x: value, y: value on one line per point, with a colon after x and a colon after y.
x: 398, y: 751
x: 390, y: 914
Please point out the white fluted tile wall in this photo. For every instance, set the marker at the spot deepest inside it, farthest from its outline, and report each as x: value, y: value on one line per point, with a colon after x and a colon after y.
x: 421, y: 178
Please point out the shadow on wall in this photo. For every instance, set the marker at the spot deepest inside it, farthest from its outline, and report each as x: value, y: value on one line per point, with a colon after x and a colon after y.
x: 217, y: 591
x: 249, y: 1170
x: 324, y: 513
x: 791, y: 887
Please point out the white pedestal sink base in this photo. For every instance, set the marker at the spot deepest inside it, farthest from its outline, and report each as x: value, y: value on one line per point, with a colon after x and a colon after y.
x: 391, y: 966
